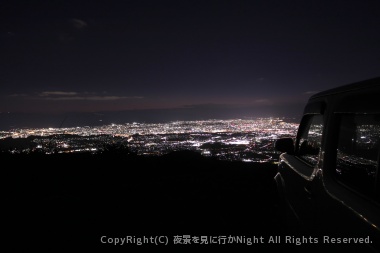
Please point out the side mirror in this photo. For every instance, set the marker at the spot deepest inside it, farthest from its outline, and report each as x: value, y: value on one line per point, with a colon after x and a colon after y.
x: 285, y: 145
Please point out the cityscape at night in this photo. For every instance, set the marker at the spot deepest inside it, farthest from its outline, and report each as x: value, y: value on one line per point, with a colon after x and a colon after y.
x: 235, y: 140
x: 201, y: 119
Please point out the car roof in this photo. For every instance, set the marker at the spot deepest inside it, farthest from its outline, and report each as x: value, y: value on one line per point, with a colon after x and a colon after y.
x: 370, y: 83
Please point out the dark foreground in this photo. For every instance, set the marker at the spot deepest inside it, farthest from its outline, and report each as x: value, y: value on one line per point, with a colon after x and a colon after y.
x: 86, y: 201
x: 64, y: 200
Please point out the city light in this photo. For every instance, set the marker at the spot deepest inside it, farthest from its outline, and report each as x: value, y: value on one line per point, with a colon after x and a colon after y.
x: 236, y: 139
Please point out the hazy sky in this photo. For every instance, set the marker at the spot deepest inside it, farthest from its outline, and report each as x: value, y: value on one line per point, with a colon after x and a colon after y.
x: 99, y: 56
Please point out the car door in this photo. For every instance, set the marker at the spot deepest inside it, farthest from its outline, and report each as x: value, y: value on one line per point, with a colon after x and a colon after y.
x: 351, y: 206
x: 297, y: 172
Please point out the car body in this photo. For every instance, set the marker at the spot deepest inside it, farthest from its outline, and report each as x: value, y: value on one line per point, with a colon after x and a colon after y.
x: 328, y: 177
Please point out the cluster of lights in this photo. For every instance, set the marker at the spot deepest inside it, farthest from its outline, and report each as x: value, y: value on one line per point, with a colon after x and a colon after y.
x: 245, y: 140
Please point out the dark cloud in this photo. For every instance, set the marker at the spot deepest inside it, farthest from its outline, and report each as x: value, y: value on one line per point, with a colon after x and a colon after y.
x: 78, y: 23
x: 71, y: 95
x: 18, y: 95
x: 71, y: 29
x: 57, y: 93
x: 64, y: 95
x: 92, y: 98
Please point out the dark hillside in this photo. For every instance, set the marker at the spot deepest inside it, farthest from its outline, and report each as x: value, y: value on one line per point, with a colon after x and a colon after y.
x: 75, y: 199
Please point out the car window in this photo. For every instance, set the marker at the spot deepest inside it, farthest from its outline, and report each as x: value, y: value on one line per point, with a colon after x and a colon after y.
x: 310, y: 139
x: 358, y: 152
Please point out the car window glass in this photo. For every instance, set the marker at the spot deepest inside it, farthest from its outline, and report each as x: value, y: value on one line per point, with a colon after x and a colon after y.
x: 358, y: 151
x: 310, y: 139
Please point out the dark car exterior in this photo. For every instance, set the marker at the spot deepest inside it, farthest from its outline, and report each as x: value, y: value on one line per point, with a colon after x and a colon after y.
x: 328, y: 177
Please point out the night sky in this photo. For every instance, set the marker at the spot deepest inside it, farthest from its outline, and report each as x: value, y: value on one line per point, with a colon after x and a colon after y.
x: 123, y: 61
